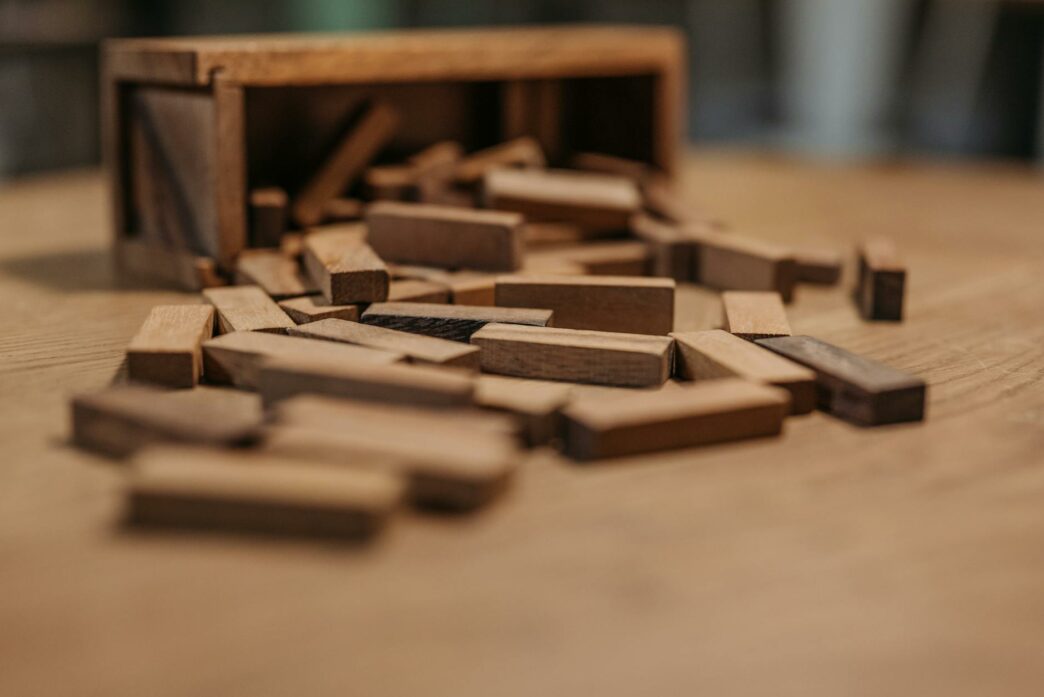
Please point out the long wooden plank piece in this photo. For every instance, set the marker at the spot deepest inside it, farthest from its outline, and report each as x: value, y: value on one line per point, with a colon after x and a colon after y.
x: 167, y: 350
x: 882, y: 280
x: 453, y: 322
x: 754, y: 314
x: 418, y: 348
x: 345, y: 268
x: 246, y: 308
x: 592, y: 200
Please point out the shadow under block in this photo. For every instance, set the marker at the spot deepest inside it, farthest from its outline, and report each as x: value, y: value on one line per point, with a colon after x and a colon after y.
x: 236, y: 359
x: 268, y: 216
x: 120, y: 420
x: 727, y: 261
x: 312, y: 308
x: 210, y: 489
x: 575, y: 355
x: 453, y: 322
x: 445, y: 236
x: 882, y: 280
x: 587, y: 199
x: 167, y: 350
x: 852, y: 387
x: 706, y: 412
x: 602, y: 303
x: 535, y: 404
x: 754, y: 314
x: 277, y: 274
x: 417, y: 348
x: 522, y: 152
x: 713, y: 354
x: 346, y: 269
x: 246, y: 309
x: 818, y: 266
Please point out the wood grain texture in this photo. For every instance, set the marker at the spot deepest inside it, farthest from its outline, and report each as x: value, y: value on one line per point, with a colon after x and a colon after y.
x: 418, y: 291
x: 881, y: 283
x: 312, y: 308
x: 167, y: 349
x: 246, y: 309
x: 345, y: 268
x: 608, y: 258
x: 575, y: 355
x: 453, y: 322
x: 277, y: 274
x: 754, y: 314
x: 417, y: 348
x: 588, y: 199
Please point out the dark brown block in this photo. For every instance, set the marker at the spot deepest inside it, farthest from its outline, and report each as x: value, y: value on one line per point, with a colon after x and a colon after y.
x: 882, y: 280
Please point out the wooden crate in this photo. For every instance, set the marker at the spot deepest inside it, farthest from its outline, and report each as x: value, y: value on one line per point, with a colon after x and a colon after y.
x: 192, y: 124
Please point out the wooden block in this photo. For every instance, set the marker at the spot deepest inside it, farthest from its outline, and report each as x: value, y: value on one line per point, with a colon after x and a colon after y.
x: 457, y: 458
x: 882, y: 280
x: 549, y: 264
x: 416, y: 347
x: 120, y: 420
x: 575, y: 355
x: 433, y: 172
x: 536, y: 404
x: 713, y: 354
x: 167, y: 349
x: 245, y: 309
x: 445, y: 236
x: 819, y: 266
x: 236, y: 358
x: 591, y: 200
x: 344, y: 267
x: 634, y: 170
x: 520, y: 152
x: 418, y: 291
x: 533, y: 108
x: 453, y: 322
x: 706, y: 412
x: 342, y: 209
x: 610, y: 258
x: 670, y: 251
x: 852, y: 387
x: 372, y: 130
x: 312, y: 308
x: 727, y: 261
x: 544, y: 235
x: 268, y: 216
x: 389, y: 183
x: 278, y: 275
x: 240, y: 491
x: 754, y: 314
x: 603, y: 303
x: 465, y: 287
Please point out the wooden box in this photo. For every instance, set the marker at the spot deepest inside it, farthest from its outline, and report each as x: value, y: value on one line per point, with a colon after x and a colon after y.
x: 193, y: 124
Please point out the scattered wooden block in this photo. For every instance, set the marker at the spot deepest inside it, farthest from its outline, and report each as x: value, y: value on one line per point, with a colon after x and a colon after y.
x: 591, y: 200
x: 754, y: 314
x: 537, y: 405
x: 445, y: 236
x: 278, y: 275
x: 209, y: 489
x: 416, y: 347
x: 714, y: 411
x: 372, y: 130
x: 634, y: 170
x: 603, y: 303
x: 521, y: 152
x: 246, y: 309
x: 819, y: 266
x: 544, y: 235
x: 292, y: 245
x: 544, y: 264
x: 575, y: 355
x: 609, y: 258
x: 727, y: 261
x: 453, y: 322
x: 342, y: 210
x: 167, y: 349
x: 713, y: 354
x: 389, y: 183
x: 670, y: 251
x: 852, y: 387
x: 268, y: 215
x: 312, y: 308
x: 344, y: 267
x: 465, y: 287
x: 236, y: 358
x: 120, y: 420
x: 882, y: 280
x: 418, y: 291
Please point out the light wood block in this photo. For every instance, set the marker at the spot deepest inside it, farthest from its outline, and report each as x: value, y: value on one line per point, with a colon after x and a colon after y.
x: 277, y: 274
x: 342, y: 210
x: 536, y: 404
x: 389, y: 183
x: 670, y: 251
x: 466, y: 287
x: 453, y: 322
x: 591, y: 200
x: 604, y: 163
x: 418, y: 291
x: 238, y: 491
x: 728, y: 261
x: 882, y: 280
x: 520, y: 152
x: 246, y: 309
x: 417, y: 348
x: 603, y: 303
x: 609, y: 258
x: 344, y: 267
x: 713, y: 354
x: 754, y: 314
x: 445, y: 236
x: 312, y: 308
x: 818, y: 266
x: 268, y: 216
x: 575, y: 355
x: 236, y: 358
x: 714, y: 411
x: 167, y: 348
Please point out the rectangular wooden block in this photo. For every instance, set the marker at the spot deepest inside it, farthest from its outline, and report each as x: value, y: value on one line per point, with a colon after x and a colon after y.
x: 603, y: 303
x: 417, y: 348
x: 819, y: 266
x: 714, y: 411
x: 634, y: 170
x: 343, y: 209
x: 268, y: 216
x: 713, y: 354
x: 754, y: 314
x: 588, y: 199
x: 277, y: 274
x: 246, y: 309
x: 236, y: 358
x: 670, y: 251
x: 453, y: 322
x: 167, y: 349
x: 728, y: 261
x: 575, y: 355
x: 240, y: 491
x: 852, y: 387
x: 536, y: 404
x: 346, y: 269
x: 416, y: 290
x: 445, y: 236
x: 520, y: 152
x: 608, y: 258
x: 120, y: 420
x: 882, y: 280
x: 312, y: 308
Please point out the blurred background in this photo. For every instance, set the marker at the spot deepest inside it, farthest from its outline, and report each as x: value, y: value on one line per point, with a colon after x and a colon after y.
x: 830, y: 78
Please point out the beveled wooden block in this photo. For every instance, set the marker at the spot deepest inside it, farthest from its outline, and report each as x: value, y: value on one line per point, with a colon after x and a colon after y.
x: 713, y: 354
x: 416, y: 290
x: 852, y: 387
x: 602, y: 303
x: 167, y: 350
x: 819, y: 266
x: 346, y: 269
x: 535, y: 403
x: 754, y: 314
x: 575, y: 355
x: 588, y: 199
x: 714, y: 411
x: 312, y: 308
x: 520, y: 152
x: 246, y: 309
x: 268, y: 216
x: 277, y: 274
x: 728, y: 261
x: 882, y: 280
x: 453, y: 322
x: 417, y: 348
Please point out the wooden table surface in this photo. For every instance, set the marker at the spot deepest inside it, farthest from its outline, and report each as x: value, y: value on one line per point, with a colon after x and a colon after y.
x: 835, y: 560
